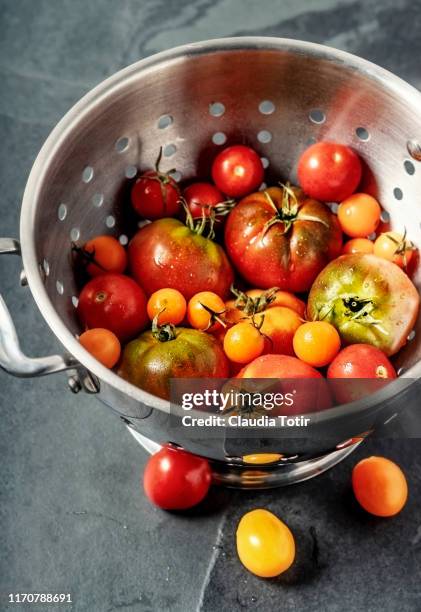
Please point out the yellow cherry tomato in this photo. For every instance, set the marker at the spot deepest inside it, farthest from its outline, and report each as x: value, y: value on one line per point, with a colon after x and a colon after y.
x: 359, y: 215
x: 380, y: 486
x: 102, y: 344
x: 170, y: 304
x: 358, y: 245
x: 317, y: 343
x: 265, y: 545
x: 204, y: 309
x: 262, y: 458
x: 394, y: 247
x: 243, y: 342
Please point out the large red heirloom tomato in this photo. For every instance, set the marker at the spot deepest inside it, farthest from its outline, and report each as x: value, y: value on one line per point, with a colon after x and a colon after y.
x: 280, y: 237
x: 166, y: 352
x: 167, y: 253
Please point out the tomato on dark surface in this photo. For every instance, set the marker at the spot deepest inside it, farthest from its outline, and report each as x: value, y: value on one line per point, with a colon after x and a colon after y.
x: 237, y: 171
x: 114, y: 302
x: 329, y: 171
x: 156, y: 356
x: 281, y: 238
x: 205, y: 198
x: 368, y: 299
x: 167, y: 253
x: 155, y: 194
x: 176, y: 480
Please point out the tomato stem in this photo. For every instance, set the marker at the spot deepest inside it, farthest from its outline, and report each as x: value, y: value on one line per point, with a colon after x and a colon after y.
x: 251, y: 306
x: 165, y: 332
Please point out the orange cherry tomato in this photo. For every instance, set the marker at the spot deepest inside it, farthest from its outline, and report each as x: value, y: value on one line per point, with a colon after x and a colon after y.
x: 204, y: 309
x: 359, y: 215
x: 358, y: 245
x: 279, y: 327
x: 104, y: 254
x: 243, y: 342
x: 169, y: 304
x: 317, y: 343
x: 394, y: 247
x: 102, y: 344
x: 265, y: 545
x: 380, y: 486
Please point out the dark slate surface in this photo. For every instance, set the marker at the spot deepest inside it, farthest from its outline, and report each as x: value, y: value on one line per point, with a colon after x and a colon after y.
x: 72, y: 515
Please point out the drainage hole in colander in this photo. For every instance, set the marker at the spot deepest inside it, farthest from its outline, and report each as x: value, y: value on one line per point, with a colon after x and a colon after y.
x: 397, y: 192
x: 98, y: 199
x: 176, y: 175
x: 59, y: 287
x: 123, y: 239
x: 74, y: 234
x: 266, y: 107
x: 46, y: 267
x: 411, y: 335
x: 372, y: 236
x: 262, y: 186
x: 165, y: 121
x: 265, y: 162
x: 311, y: 141
x: 409, y: 167
x: 169, y: 150
x: 62, y: 212
x: 264, y: 136
x: 216, y: 109
x: 87, y: 174
x: 334, y: 206
x: 219, y: 138
x: 362, y: 134
x: 414, y: 149
x: 384, y: 217
x: 110, y: 221
x: 130, y: 172
x: 317, y: 116
x: 122, y: 144
x: 75, y: 301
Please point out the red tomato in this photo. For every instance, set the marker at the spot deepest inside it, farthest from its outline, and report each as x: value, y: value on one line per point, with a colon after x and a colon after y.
x: 281, y: 238
x: 309, y: 396
x: 237, y: 171
x: 329, y: 171
x: 167, y: 254
x: 361, y: 361
x: 155, y: 194
x: 201, y: 199
x: 176, y: 480
x: 114, y: 302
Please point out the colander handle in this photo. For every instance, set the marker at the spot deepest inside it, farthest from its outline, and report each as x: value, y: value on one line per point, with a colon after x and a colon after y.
x: 12, y: 360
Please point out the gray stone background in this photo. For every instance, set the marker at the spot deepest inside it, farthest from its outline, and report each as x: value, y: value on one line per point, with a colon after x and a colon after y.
x: 73, y: 517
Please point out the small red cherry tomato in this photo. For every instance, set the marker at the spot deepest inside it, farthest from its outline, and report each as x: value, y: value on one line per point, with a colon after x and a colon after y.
x: 155, y: 194
x: 176, y: 480
x: 361, y: 361
x: 114, y: 302
x: 237, y: 171
x: 329, y: 171
x: 202, y: 198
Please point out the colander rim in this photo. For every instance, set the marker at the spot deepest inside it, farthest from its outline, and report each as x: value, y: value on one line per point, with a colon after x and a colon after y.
x: 88, y: 102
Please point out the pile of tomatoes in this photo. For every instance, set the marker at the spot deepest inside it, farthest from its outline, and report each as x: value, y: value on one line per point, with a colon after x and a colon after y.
x: 226, y: 278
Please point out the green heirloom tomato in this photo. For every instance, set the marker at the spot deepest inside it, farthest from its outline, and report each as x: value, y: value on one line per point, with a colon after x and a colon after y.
x: 368, y: 299
x: 150, y: 361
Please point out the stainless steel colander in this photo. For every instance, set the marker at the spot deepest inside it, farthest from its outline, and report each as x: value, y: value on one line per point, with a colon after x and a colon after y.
x: 276, y: 95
